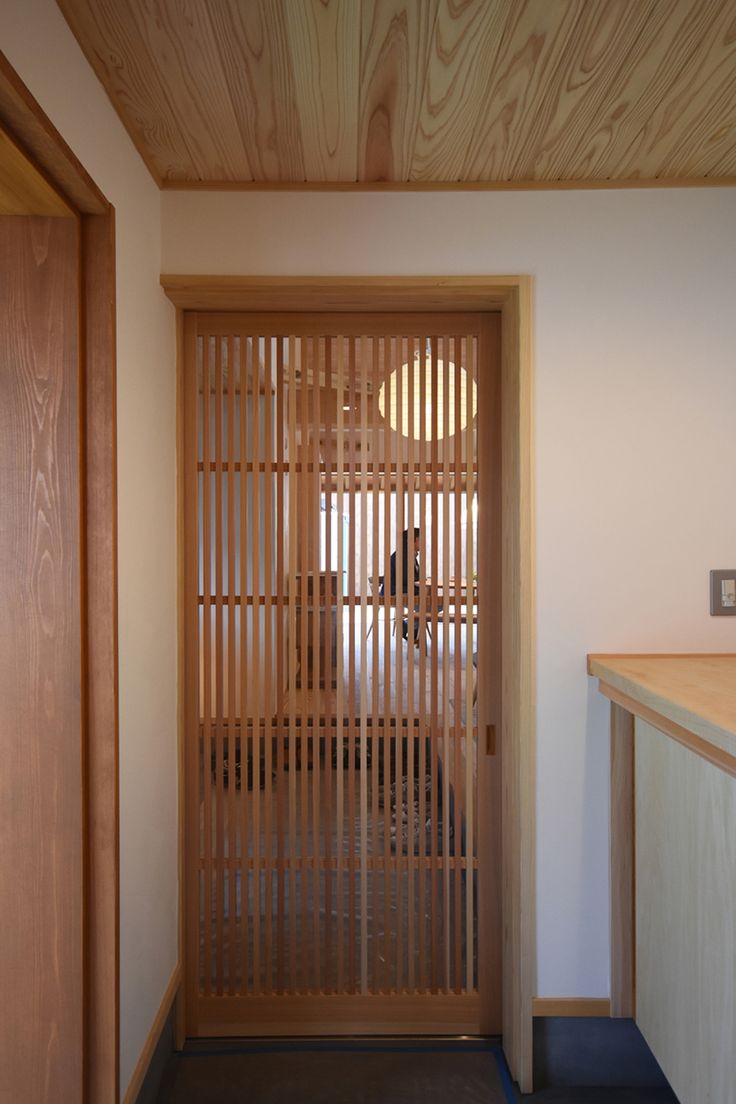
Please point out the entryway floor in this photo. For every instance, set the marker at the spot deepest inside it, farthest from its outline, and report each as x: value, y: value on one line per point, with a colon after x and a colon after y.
x: 338, y: 1072
x: 364, y: 1072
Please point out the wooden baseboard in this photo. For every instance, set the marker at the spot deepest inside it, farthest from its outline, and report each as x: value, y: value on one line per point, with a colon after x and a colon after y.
x: 152, y: 1038
x: 571, y: 1006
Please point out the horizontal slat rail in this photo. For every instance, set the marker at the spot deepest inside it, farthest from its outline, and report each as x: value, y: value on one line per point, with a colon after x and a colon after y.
x: 344, y: 325
x: 375, y: 862
x: 334, y: 808
x: 321, y: 1014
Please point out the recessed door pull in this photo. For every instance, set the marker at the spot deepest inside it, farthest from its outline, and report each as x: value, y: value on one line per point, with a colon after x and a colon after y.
x: 490, y: 739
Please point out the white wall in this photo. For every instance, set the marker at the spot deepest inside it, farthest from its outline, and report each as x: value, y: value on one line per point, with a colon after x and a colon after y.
x: 635, y: 445
x: 38, y: 43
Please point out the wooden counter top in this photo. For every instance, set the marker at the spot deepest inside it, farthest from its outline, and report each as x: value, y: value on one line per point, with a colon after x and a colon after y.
x: 690, y: 697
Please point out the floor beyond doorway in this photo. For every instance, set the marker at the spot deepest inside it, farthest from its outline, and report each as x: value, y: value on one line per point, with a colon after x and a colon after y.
x: 338, y: 1072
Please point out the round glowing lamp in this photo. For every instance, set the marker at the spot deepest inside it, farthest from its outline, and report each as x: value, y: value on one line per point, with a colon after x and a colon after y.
x: 396, y: 386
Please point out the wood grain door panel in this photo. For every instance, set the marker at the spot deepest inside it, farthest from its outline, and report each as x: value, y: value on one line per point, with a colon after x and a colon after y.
x: 41, y: 732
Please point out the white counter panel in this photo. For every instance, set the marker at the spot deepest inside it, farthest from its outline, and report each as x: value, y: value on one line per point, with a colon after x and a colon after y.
x: 686, y: 917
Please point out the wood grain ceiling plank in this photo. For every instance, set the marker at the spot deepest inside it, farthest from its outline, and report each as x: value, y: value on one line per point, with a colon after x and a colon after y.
x: 113, y: 45
x: 644, y: 82
x: 578, y: 114
x: 276, y: 93
x: 324, y: 45
x: 725, y: 166
x: 254, y: 49
x: 535, y: 38
x: 466, y: 39
x: 394, y: 50
x: 693, y: 124
x: 179, y: 36
x: 621, y: 100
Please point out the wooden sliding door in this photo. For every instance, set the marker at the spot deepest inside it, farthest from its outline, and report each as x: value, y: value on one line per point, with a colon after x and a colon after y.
x: 342, y: 687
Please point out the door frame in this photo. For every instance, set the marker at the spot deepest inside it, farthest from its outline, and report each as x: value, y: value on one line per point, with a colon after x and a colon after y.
x: 512, y: 297
x: 50, y: 156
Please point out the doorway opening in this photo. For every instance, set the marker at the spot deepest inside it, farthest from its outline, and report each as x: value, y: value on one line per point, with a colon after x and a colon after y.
x: 511, y: 296
x: 342, y: 568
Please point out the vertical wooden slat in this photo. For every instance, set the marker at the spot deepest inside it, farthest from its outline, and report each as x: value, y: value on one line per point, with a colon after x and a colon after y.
x: 363, y: 378
x: 411, y: 827
x: 231, y: 666
x: 434, y: 675
x: 389, y: 612
x: 446, y: 450
x: 469, y: 718
x: 377, y: 876
x: 352, y: 555
x: 281, y: 674
x: 422, y: 448
x: 219, y: 673
x: 328, y: 697
x: 254, y: 543
x: 305, y: 600
x: 404, y: 600
x: 244, y: 537
x: 339, y: 705
x: 459, y: 787
x: 268, y: 659
x: 206, y: 773
x: 292, y: 666
x: 317, y: 604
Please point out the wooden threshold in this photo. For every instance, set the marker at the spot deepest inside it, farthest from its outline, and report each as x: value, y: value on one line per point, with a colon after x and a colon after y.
x: 325, y: 1014
x: 571, y: 1006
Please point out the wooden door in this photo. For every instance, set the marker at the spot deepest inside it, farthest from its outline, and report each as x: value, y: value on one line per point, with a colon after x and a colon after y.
x: 342, y: 686
x: 41, y: 780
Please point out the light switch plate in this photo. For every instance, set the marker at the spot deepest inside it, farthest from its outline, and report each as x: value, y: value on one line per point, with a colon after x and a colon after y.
x: 723, y: 593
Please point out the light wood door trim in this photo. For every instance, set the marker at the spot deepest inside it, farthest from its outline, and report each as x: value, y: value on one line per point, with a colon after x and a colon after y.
x: 351, y: 293
x: 512, y: 295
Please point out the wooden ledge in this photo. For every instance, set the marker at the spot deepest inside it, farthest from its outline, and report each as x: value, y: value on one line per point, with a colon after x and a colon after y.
x: 341, y: 293
x: 691, y: 698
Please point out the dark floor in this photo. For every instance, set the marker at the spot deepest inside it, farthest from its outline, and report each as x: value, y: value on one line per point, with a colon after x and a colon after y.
x: 595, y: 1061
x: 576, y: 1062
x: 338, y: 1073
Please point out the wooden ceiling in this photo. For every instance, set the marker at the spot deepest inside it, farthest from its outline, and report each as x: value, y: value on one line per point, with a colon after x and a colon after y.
x: 420, y: 93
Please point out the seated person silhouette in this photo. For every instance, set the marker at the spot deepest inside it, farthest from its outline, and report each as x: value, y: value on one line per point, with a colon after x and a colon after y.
x: 410, y: 575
